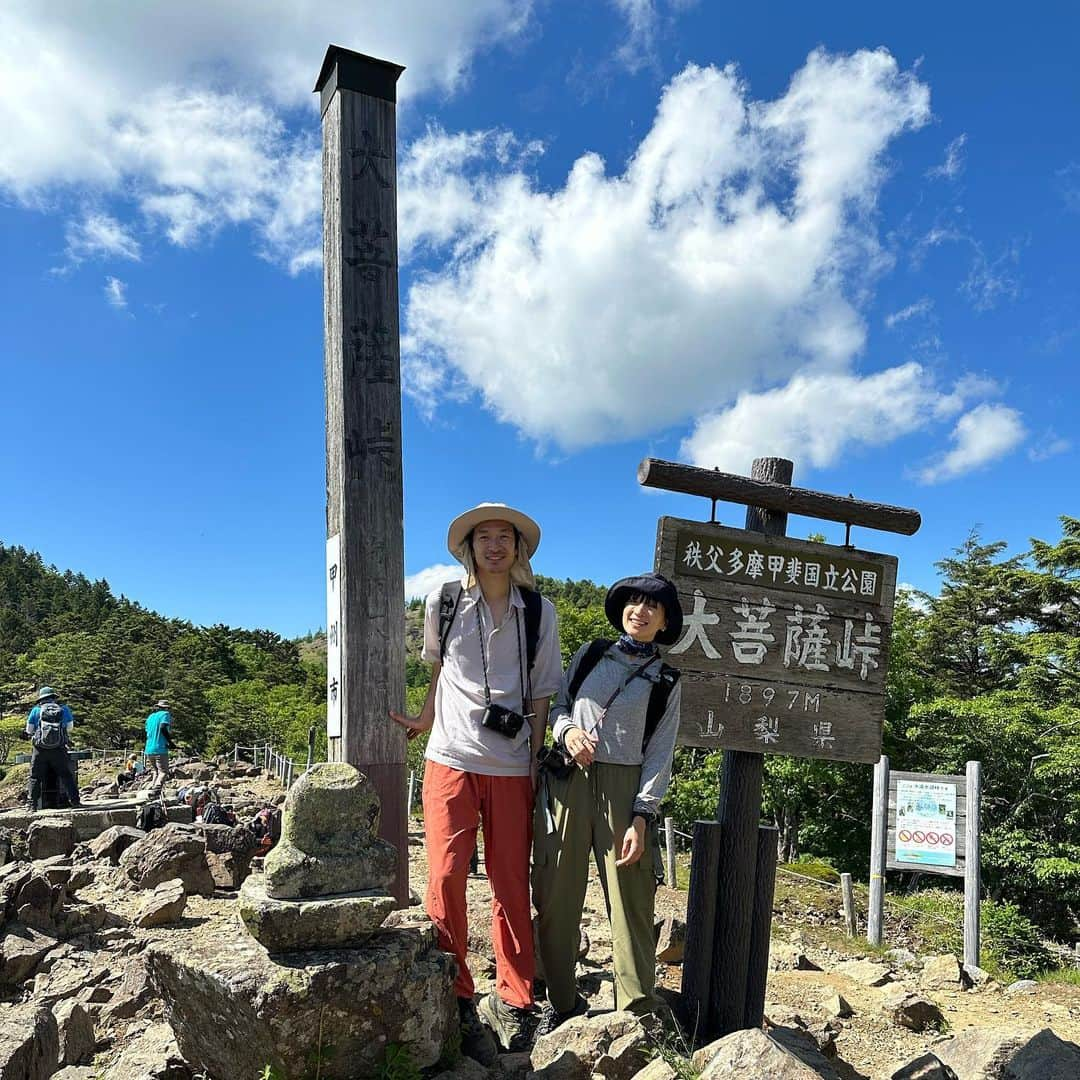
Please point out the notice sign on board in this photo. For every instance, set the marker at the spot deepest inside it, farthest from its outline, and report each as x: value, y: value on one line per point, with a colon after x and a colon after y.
x: 785, y: 643
x: 925, y: 823
x: 333, y: 636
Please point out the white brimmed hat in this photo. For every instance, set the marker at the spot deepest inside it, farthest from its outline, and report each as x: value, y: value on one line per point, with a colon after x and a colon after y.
x: 464, y: 524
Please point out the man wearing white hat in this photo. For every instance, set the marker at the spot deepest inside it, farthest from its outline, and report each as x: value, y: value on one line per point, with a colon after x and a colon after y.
x: 493, y: 644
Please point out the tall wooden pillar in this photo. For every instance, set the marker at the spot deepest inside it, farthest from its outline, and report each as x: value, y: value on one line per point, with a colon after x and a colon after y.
x: 365, y: 556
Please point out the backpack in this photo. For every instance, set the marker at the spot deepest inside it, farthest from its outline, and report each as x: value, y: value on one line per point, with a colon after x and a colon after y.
x: 214, y: 814
x: 49, y: 734
x: 450, y: 598
x: 151, y: 816
x: 658, y: 696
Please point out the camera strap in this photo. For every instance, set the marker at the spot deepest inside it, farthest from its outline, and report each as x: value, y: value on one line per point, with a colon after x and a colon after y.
x: 521, y: 665
x: 634, y: 673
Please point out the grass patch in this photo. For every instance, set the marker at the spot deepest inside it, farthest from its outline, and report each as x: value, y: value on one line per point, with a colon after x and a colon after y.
x: 1061, y: 976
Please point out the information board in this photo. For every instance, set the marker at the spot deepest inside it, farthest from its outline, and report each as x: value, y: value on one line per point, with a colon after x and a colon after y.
x: 925, y: 823
x: 785, y: 643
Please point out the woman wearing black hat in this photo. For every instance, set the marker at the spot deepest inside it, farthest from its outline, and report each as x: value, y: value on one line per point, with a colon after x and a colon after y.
x: 614, y: 720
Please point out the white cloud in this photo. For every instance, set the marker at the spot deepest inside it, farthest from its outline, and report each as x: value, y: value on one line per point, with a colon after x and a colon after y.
x: 192, y: 114
x: 983, y: 435
x: 1049, y: 445
x: 817, y: 418
x: 723, y: 256
x: 920, y: 308
x: 115, y: 292
x: 430, y: 578
x: 99, y: 235
x: 990, y: 281
x: 953, y: 165
x: 641, y: 16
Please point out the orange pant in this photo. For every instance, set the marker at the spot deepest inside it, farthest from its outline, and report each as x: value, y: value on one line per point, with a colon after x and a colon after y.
x: 454, y: 803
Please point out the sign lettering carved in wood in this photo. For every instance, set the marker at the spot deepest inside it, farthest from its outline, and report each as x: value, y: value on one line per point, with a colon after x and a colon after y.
x: 785, y: 643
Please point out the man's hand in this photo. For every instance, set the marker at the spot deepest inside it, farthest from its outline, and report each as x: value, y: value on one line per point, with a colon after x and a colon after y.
x: 633, y: 843
x: 413, y: 725
x: 580, y: 745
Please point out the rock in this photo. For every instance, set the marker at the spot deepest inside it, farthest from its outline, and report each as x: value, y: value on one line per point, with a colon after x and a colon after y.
x: 789, y: 958
x: 328, y: 843
x: 1022, y: 986
x: 396, y: 988
x: 164, y: 905
x: 39, y: 904
x: 750, y: 1053
x: 76, y: 1072
x: 229, y: 869
x: 974, y: 977
x: 670, y: 940
x: 50, y: 836
x: 12, y: 878
x: 173, y: 851
x: 1010, y: 1054
x: 925, y: 1067
x: 68, y: 977
x: 154, y: 1055
x: 132, y: 995
x: 806, y: 1048
x: 865, y: 972
x: 787, y: 1022
x: 81, y: 876
x: 465, y: 1069
x: 913, y: 1012
x: 75, y: 1030
x: 902, y: 957
x: 614, y: 1045
x: 941, y: 972
x: 21, y: 950
x: 112, y: 843
x: 342, y: 921
x: 837, y: 1005
x: 29, y: 1044
x: 657, y: 1069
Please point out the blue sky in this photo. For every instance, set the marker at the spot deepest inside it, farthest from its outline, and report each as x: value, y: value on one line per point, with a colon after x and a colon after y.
x: 697, y: 231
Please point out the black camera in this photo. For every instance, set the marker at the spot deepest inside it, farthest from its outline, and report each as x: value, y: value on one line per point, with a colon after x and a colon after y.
x: 555, y: 761
x: 504, y: 721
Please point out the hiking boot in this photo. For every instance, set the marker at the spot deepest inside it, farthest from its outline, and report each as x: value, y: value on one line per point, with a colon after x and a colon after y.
x: 550, y: 1019
x: 476, y: 1041
x: 512, y: 1026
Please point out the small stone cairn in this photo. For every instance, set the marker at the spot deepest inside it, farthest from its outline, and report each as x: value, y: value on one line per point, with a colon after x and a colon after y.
x: 326, y: 883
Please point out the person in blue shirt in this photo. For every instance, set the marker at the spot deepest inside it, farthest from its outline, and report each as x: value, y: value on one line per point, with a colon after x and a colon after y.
x: 48, y: 727
x: 158, y: 742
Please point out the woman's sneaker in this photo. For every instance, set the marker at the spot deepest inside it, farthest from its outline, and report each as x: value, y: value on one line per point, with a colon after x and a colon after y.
x: 512, y: 1026
x: 550, y: 1019
x: 476, y: 1040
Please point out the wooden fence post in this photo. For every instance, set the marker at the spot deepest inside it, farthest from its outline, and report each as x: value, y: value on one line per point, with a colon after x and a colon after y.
x: 669, y: 852
x: 701, y: 929
x: 879, y: 826
x: 761, y: 926
x: 972, y: 865
x: 850, y: 921
x: 739, y: 812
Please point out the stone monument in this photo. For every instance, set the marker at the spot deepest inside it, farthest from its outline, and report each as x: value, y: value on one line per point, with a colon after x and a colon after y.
x: 327, y: 882
x: 321, y: 986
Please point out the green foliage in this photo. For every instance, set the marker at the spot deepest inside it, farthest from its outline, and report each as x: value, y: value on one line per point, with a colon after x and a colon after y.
x: 1011, y: 944
x: 808, y: 866
x: 398, y: 1064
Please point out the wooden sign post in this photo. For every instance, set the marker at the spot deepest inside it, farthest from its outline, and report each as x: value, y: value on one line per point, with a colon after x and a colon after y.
x: 365, y: 549
x: 928, y: 824
x: 784, y: 650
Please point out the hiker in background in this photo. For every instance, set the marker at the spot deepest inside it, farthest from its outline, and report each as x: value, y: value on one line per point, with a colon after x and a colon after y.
x: 614, y: 721
x: 158, y: 743
x: 48, y: 727
x: 493, y: 644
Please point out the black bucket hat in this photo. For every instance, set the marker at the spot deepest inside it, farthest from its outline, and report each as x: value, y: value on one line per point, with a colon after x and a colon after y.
x: 655, y: 585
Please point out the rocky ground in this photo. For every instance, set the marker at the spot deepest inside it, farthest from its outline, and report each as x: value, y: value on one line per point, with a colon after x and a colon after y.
x: 75, y: 987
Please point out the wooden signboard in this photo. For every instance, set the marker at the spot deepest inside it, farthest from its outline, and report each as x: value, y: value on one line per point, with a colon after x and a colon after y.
x: 785, y: 643
x: 927, y: 823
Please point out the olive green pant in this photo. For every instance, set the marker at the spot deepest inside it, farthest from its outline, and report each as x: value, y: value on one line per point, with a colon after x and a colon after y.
x: 591, y: 811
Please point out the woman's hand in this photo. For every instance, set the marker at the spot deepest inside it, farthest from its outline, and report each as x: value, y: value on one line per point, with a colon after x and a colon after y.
x: 413, y: 725
x: 580, y: 745
x: 633, y: 843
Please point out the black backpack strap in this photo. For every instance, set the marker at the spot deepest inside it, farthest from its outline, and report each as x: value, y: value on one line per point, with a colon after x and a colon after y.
x: 588, y: 661
x: 534, y: 609
x: 449, y: 599
x: 658, y: 699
